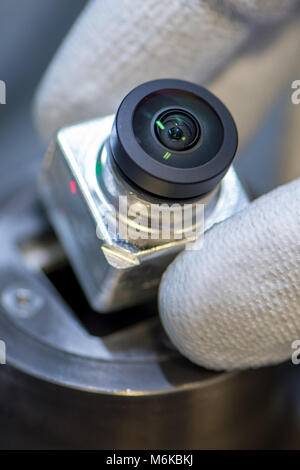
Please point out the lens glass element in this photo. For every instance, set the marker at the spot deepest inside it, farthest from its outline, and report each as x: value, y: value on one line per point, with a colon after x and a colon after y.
x: 177, y: 130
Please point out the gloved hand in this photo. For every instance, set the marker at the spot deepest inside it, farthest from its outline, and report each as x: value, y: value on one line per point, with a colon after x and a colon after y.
x: 234, y: 303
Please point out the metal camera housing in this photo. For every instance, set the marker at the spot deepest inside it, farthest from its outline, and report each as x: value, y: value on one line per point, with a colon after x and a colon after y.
x: 90, y: 165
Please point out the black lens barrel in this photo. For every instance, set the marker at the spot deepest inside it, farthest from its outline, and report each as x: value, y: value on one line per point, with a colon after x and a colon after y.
x: 179, y: 158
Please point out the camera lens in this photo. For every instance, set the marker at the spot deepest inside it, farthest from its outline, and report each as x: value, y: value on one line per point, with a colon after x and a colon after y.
x: 173, y: 139
x: 177, y: 130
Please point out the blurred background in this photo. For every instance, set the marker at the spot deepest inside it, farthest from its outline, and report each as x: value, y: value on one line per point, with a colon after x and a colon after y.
x: 31, y: 32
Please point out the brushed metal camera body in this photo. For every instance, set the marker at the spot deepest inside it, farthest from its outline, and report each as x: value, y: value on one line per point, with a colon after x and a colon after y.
x: 114, y: 273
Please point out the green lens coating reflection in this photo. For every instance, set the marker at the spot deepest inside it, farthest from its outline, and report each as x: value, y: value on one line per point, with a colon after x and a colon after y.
x: 160, y: 125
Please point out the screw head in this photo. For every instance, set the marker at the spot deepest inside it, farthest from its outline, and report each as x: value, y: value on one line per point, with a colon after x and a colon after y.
x: 21, y: 302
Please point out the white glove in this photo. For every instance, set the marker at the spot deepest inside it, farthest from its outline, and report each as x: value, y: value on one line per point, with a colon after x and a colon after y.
x: 116, y: 45
x: 234, y: 303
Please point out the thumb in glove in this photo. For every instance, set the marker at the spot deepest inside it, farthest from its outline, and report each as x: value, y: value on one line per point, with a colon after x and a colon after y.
x: 235, y: 302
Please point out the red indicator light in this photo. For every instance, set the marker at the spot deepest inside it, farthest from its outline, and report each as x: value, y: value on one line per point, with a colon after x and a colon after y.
x: 73, y: 187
